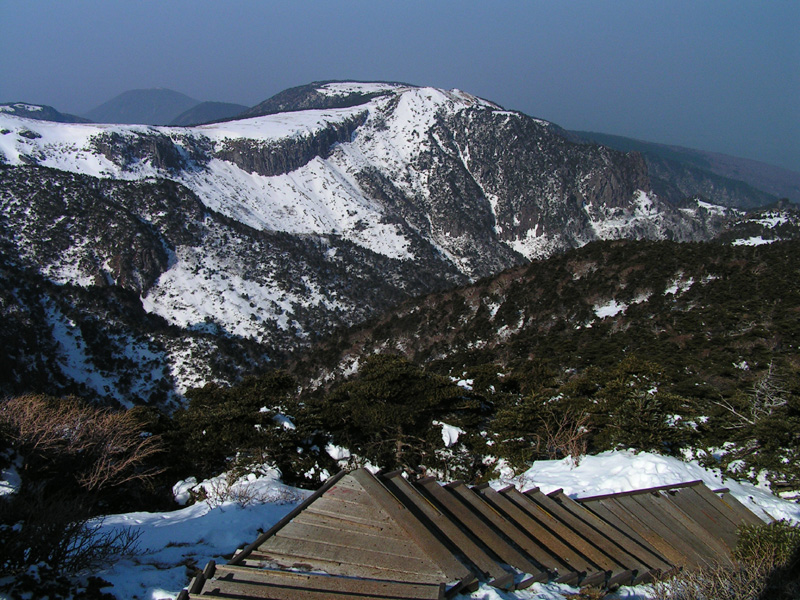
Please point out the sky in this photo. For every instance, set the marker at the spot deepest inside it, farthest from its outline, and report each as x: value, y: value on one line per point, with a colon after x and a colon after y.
x: 722, y: 76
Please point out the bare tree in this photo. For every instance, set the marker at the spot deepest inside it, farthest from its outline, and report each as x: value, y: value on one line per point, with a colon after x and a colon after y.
x: 563, y: 434
x: 769, y: 393
x: 111, y: 447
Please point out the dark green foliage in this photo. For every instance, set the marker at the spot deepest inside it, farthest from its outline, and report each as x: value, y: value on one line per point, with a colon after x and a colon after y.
x: 779, y: 539
x: 386, y: 414
x: 706, y: 321
x: 628, y: 408
x: 763, y: 423
x: 226, y: 427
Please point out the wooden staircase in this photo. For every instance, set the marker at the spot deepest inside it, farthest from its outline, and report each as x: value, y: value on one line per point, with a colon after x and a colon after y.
x: 383, y: 537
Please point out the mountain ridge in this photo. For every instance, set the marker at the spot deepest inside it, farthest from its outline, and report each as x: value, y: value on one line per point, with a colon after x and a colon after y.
x: 684, y: 171
x: 39, y: 112
x: 270, y: 231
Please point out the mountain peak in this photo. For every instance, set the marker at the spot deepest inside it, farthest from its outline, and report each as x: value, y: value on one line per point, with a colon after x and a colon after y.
x: 156, y: 106
x: 344, y: 94
x: 322, y: 95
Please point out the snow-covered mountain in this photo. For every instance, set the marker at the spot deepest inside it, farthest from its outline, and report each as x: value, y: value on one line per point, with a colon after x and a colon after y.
x: 278, y: 227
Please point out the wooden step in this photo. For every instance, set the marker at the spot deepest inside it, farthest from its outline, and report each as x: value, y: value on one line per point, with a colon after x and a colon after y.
x: 336, y: 585
x: 485, y: 567
x: 595, y: 574
x: 568, y: 565
x: 594, y: 544
x: 650, y: 563
x: 478, y: 529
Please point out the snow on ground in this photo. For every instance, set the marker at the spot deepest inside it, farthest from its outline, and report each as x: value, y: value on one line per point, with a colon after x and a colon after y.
x: 173, y: 543
x: 620, y: 471
x: 752, y: 241
x: 610, y: 309
x: 194, y: 535
x: 450, y: 433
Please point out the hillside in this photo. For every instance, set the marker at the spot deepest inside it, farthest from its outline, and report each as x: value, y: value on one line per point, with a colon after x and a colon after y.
x: 686, y: 349
x: 275, y: 229
x: 678, y: 172
x: 699, y: 309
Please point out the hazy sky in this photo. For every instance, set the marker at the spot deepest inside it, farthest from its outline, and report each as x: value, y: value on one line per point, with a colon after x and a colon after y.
x: 721, y: 76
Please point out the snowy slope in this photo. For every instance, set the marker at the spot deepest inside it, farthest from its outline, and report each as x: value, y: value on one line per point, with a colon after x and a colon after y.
x: 393, y: 134
x: 321, y: 197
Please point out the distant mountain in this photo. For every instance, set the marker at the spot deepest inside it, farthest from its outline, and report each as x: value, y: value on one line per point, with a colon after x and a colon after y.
x: 40, y: 112
x: 149, y: 107
x: 677, y: 172
x: 207, y: 112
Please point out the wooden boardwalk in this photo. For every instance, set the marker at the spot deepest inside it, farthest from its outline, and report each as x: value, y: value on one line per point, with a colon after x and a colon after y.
x: 383, y: 537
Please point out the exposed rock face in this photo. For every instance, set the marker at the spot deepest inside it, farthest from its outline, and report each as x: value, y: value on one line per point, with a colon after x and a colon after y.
x: 677, y: 173
x: 287, y: 155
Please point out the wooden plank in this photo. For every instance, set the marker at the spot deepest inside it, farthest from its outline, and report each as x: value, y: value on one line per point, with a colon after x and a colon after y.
x: 674, y: 529
x: 546, y: 564
x: 616, y: 561
x: 350, y: 539
x: 701, y: 539
x: 385, y: 529
x: 719, y: 505
x: 653, y: 564
x: 591, y: 573
x: 331, y: 513
x: 341, y: 493
x: 663, y: 527
x: 361, y: 512
x: 435, y: 550
x: 485, y: 566
x: 705, y: 515
x: 242, y: 589
x: 376, y: 587
x: 745, y: 514
x: 278, y: 560
x: 638, y: 521
x: 477, y: 528
x: 598, y: 561
x: 570, y: 565
x: 658, y: 488
x: 349, y: 555
x: 331, y: 481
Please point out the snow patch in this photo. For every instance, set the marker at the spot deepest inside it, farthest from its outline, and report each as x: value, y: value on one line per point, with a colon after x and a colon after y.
x: 752, y: 241
x: 450, y: 433
x: 610, y: 309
